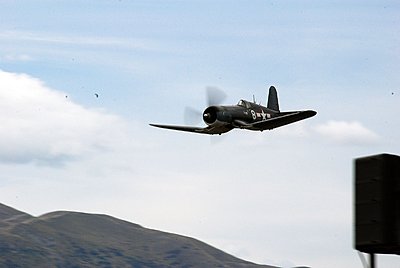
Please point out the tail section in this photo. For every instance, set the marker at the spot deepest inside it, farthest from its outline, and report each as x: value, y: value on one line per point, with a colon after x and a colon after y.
x: 273, y: 103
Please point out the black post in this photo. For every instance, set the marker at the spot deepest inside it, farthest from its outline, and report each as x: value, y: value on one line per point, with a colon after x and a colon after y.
x: 371, y: 260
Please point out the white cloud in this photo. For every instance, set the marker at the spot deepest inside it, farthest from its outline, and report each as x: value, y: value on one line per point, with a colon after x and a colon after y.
x: 343, y: 132
x: 16, y: 57
x: 42, y: 125
x: 53, y: 38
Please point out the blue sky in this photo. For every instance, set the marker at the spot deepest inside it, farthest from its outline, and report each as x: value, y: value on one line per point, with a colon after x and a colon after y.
x: 282, y: 197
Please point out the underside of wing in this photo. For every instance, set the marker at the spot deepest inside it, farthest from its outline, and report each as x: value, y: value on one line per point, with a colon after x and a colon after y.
x: 206, y: 130
x: 282, y: 119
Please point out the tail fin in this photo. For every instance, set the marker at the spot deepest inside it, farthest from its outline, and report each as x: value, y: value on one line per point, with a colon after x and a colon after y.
x: 273, y: 103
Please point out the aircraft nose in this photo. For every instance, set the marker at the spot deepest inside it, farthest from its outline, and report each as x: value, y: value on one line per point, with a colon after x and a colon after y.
x: 210, y: 115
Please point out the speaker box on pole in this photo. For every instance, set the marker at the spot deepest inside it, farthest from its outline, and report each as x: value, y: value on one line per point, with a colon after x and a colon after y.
x: 377, y: 204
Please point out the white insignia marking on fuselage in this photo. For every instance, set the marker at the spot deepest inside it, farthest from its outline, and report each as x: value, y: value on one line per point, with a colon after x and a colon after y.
x: 263, y: 115
x: 253, y: 114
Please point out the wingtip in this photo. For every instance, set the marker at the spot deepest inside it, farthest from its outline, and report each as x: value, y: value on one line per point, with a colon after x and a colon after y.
x: 311, y: 113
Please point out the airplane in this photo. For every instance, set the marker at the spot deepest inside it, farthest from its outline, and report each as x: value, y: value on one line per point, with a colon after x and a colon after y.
x: 245, y: 115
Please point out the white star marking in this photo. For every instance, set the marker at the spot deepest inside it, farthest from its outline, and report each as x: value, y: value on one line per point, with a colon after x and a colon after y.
x: 263, y: 115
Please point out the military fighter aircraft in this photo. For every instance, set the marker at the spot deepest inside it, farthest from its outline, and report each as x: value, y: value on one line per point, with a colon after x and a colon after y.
x: 244, y: 115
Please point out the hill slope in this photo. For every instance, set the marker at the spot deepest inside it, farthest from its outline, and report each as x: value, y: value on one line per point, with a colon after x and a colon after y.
x: 72, y: 239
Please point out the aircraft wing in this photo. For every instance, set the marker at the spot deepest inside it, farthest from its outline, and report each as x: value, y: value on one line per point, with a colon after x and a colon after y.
x: 283, y: 119
x: 206, y: 130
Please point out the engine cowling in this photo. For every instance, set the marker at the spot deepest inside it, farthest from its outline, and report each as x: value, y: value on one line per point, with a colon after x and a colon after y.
x: 210, y: 115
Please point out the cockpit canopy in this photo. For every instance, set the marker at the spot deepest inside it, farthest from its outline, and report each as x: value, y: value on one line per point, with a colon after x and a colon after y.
x: 245, y: 104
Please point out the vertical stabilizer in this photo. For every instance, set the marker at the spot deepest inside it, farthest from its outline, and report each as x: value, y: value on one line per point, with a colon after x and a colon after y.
x: 273, y: 99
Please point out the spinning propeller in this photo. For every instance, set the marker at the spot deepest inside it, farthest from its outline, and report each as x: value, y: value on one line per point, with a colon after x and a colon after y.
x: 214, y: 96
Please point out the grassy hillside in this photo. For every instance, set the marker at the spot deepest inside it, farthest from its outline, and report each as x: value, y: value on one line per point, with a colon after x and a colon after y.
x: 72, y: 239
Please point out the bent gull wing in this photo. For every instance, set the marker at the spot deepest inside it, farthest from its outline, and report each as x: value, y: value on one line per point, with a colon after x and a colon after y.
x: 283, y: 119
x: 206, y: 130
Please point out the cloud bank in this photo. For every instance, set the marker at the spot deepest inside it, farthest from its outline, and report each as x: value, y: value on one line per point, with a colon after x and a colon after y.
x: 43, y: 125
x: 345, y: 133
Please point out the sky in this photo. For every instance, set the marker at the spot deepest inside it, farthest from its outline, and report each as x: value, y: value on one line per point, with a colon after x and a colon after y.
x: 80, y: 81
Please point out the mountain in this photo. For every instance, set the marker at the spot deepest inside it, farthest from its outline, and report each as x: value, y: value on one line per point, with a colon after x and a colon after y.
x: 73, y: 239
